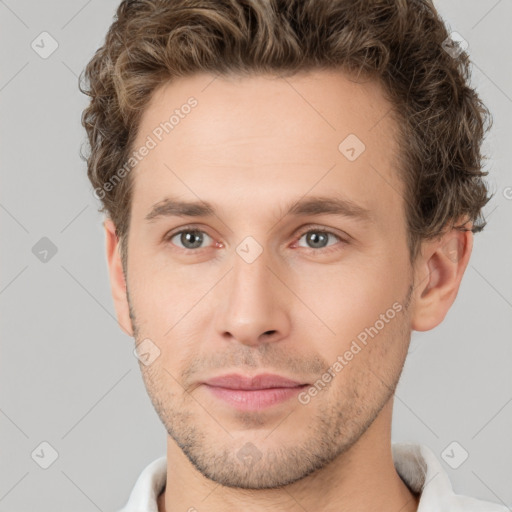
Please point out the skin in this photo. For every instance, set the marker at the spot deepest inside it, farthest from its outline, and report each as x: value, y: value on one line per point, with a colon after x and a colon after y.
x: 251, y: 147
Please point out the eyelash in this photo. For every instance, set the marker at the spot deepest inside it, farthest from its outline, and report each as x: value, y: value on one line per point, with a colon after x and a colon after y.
x: 310, y: 229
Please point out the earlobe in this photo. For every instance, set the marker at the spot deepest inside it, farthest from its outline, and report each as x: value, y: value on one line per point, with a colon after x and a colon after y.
x: 117, y: 278
x: 439, y: 272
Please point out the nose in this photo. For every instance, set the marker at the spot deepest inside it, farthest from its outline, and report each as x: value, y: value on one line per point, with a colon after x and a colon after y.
x: 252, y: 303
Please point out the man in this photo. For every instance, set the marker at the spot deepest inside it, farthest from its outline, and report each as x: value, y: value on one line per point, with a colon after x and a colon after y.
x: 291, y: 188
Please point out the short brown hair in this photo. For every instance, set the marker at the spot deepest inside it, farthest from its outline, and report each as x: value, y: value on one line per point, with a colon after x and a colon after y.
x: 401, y: 43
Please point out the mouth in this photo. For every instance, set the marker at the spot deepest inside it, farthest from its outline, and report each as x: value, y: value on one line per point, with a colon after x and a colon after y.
x: 261, y: 381
x: 253, y: 393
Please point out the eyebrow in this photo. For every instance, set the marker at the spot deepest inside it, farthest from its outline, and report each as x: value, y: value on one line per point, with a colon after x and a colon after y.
x: 317, y: 205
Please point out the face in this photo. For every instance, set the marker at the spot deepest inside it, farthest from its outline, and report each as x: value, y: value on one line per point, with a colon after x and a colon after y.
x: 267, y: 279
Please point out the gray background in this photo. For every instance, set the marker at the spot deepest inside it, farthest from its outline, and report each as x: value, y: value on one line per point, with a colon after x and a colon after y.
x: 68, y: 375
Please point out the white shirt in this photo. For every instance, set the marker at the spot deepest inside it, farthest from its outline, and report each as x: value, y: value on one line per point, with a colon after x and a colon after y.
x: 416, y: 464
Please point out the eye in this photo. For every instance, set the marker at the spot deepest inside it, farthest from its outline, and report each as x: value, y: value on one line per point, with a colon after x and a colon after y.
x: 318, y: 238
x: 188, y: 238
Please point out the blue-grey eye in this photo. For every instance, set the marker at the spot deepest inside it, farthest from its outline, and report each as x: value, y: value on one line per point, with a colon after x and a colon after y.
x: 190, y: 239
x: 318, y: 239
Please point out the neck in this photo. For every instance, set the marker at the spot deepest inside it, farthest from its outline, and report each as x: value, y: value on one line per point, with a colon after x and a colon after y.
x: 361, y: 479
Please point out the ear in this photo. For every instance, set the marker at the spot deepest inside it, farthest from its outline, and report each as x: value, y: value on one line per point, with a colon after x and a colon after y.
x: 438, y: 273
x: 117, y: 279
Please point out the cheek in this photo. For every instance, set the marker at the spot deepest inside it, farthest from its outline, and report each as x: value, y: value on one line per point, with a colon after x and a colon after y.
x: 345, y: 299
x: 370, y: 361
x: 165, y: 293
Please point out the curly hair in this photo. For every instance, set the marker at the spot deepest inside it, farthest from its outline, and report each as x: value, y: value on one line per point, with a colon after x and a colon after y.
x: 402, y: 44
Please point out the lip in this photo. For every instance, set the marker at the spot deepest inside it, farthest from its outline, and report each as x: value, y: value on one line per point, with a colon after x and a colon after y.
x: 261, y: 381
x: 253, y: 393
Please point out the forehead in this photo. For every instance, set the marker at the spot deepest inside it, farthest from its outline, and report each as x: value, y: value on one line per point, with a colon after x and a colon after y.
x: 268, y: 138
